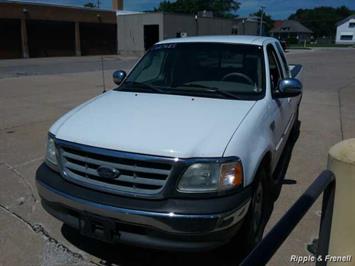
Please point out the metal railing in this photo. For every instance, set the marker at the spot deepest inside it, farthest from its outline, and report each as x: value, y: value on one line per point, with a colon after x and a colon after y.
x: 325, y: 183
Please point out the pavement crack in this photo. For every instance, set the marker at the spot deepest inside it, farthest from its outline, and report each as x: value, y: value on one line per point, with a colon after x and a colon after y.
x: 39, y: 229
x: 26, y: 124
x: 98, y: 264
x: 26, y: 182
x: 340, y: 115
x: 28, y: 162
x: 340, y: 107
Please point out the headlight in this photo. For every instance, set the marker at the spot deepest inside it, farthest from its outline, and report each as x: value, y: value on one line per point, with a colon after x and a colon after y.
x: 211, y: 177
x: 51, y: 155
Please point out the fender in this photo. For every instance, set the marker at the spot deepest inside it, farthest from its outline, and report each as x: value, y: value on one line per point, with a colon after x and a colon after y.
x: 252, y: 141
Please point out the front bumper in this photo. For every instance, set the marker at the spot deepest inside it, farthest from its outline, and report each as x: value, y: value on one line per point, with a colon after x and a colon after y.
x: 165, y: 224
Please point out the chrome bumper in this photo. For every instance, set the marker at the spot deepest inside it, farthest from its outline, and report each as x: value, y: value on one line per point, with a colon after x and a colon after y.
x: 166, y: 222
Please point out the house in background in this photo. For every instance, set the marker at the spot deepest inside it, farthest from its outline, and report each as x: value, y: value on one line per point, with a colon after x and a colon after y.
x: 291, y: 31
x: 278, y: 23
x: 346, y: 31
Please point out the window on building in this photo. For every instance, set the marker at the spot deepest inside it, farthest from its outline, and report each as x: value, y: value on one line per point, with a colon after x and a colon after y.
x: 346, y: 37
x: 352, y: 25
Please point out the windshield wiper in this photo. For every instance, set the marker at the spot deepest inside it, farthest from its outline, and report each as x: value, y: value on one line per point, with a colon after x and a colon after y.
x: 144, y: 86
x: 211, y: 90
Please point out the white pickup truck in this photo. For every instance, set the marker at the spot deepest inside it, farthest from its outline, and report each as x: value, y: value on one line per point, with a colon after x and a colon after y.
x: 185, y: 153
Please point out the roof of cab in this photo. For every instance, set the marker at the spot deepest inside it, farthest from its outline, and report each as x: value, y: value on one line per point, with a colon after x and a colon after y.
x: 236, y: 39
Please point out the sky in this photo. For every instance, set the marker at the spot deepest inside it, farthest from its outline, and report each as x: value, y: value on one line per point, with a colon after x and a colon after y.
x: 279, y: 9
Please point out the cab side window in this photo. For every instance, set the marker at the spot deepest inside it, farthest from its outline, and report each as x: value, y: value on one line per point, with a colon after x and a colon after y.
x: 283, y: 59
x: 275, y: 69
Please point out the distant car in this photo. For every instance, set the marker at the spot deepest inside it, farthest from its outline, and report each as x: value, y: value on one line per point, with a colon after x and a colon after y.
x: 182, y: 155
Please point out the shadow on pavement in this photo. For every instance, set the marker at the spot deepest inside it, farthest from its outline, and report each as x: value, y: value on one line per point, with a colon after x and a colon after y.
x: 128, y: 255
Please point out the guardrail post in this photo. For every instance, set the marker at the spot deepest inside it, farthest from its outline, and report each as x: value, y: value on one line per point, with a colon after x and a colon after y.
x: 341, y: 161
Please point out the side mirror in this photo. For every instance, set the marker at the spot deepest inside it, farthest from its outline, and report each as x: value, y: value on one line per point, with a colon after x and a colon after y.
x: 289, y: 88
x: 119, y: 76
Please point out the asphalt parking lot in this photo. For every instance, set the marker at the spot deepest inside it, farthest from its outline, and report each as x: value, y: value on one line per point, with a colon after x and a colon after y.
x: 35, y: 92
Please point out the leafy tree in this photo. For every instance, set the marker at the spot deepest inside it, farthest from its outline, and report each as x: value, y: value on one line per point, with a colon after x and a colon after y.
x: 221, y: 8
x: 321, y: 20
x: 90, y: 5
x: 269, y: 22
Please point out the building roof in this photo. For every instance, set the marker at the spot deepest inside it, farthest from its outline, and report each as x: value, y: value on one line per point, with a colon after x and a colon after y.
x: 237, y: 39
x: 291, y: 26
x: 127, y: 12
x: 278, y: 23
x: 248, y: 19
x: 49, y: 4
x: 53, y: 12
x: 345, y: 20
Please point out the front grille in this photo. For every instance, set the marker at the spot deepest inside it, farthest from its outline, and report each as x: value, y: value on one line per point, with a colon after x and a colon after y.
x: 137, y: 175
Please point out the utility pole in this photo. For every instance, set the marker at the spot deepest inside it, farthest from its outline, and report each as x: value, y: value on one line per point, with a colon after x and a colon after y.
x: 261, y: 20
x: 98, y: 4
x: 196, y: 24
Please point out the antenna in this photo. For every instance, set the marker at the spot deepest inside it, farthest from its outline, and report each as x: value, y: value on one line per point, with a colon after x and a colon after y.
x: 103, y: 74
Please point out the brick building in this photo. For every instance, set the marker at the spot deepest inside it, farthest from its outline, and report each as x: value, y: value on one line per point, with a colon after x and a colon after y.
x: 40, y: 30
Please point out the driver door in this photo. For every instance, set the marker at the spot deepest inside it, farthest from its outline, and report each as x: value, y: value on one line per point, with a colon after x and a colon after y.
x: 280, y: 106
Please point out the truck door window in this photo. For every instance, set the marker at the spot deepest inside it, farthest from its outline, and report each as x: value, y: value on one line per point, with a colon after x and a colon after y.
x: 274, y: 66
x: 283, y: 59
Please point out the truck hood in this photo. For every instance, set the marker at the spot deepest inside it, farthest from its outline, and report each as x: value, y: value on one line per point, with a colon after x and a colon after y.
x: 156, y: 124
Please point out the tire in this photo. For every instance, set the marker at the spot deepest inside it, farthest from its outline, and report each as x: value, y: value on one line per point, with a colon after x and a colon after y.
x: 260, y: 209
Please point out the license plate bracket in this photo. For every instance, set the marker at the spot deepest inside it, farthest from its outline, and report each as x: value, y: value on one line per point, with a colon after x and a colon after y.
x: 98, y: 227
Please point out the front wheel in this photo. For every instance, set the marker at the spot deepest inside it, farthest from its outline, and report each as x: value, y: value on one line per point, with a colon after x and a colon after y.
x: 251, y: 232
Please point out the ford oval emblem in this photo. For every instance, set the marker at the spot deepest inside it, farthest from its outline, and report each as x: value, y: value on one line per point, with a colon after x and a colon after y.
x: 108, y: 172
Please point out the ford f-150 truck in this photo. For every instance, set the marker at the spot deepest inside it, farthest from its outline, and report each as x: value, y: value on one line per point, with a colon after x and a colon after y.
x: 183, y: 154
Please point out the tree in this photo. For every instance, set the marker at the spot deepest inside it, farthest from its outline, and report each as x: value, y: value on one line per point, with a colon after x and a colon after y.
x: 220, y: 8
x: 90, y: 5
x: 269, y: 22
x: 321, y: 20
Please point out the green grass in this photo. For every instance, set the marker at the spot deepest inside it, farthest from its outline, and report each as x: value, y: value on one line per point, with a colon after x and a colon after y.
x: 299, y: 48
x: 309, y: 46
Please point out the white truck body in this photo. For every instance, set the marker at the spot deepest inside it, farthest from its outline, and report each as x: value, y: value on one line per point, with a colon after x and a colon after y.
x: 175, y: 126
x: 190, y: 165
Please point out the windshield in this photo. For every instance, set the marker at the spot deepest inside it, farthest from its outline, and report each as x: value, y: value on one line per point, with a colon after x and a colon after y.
x: 203, y: 69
